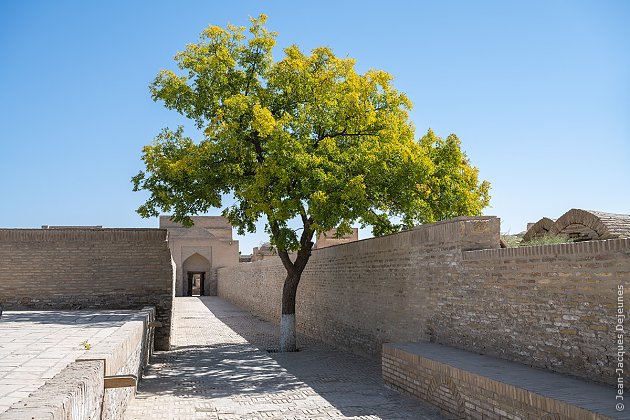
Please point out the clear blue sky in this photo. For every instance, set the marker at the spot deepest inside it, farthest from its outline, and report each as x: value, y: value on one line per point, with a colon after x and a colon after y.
x: 538, y: 92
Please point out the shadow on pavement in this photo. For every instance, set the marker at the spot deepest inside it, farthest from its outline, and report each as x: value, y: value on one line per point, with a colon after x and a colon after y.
x: 219, y: 371
x: 94, y: 318
x: 350, y: 383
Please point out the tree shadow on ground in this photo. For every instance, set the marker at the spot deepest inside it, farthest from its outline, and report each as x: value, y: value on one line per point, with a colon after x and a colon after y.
x: 221, y: 370
x: 351, y: 383
x: 93, y: 318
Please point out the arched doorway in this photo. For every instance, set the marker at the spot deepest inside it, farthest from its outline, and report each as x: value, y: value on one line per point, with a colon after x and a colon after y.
x: 196, y: 270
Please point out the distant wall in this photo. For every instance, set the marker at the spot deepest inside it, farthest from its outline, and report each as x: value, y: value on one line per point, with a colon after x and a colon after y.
x: 551, y: 306
x: 88, y: 268
x: 328, y: 238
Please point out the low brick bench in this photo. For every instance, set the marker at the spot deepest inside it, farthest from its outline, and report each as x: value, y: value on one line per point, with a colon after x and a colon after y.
x: 467, y: 385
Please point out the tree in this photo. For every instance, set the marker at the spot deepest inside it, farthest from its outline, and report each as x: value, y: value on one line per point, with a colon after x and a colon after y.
x: 302, y: 140
x: 452, y: 188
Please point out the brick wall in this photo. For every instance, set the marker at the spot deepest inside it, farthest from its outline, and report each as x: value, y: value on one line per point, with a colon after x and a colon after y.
x: 361, y: 294
x: 88, y: 269
x: 75, y: 393
x: 465, y: 394
x: 551, y: 306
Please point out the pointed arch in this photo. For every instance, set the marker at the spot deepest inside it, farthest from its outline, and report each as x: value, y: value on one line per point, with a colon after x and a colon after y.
x: 196, y: 262
x: 196, y: 272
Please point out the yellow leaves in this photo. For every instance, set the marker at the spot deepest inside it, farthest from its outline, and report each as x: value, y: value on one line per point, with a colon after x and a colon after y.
x: 213, y: 32
x: 262, y: 18
x: 307, y: 133
x: 293, y: 53
x: 218, y: 35
x: 236, y: 104
x: 319, y: 197
x: 179, y: 166
x: 379, y: 77
x: 263, y: 121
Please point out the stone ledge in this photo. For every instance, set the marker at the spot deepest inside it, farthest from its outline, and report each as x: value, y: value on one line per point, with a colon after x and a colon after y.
x: 74, y: 393
x: 119, y: 347
x: 77, y: 390
x: 469, y: 385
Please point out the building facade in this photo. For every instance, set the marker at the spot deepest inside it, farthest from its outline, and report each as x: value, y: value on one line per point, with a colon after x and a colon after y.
x: 328, y: 238
x: 198, y: 252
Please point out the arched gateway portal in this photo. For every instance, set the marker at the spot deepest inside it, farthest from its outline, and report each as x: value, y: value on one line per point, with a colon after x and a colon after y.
x: 198, y: 251
x: 196, y: 270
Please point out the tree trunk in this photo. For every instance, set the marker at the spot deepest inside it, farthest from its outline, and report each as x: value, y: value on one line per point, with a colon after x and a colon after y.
x: 287, y: 320
x: 294, y: 273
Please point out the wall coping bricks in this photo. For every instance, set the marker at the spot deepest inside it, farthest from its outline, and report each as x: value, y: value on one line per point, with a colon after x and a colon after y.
x: 74, y: 234
x: 577, y: 248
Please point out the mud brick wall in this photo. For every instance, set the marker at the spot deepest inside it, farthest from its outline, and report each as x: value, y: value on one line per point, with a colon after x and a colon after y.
x: 549, y: 306
x: 464, y: 394
x: 88, y: 269
x: 361, y: 294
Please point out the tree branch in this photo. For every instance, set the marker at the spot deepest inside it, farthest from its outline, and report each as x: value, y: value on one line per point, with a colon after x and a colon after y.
x: 306, y: 243
x: 345, y: 134
x: 282, y: 253
x: 253, y: 139
x: 251, y: 71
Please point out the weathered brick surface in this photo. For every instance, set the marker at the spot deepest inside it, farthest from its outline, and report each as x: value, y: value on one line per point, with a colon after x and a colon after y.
x: 88, y: 269
x: 75, y: 393
x: 361, y: 294
x: 480, y: 387
x: 77, y: 390
x: 549, y: 306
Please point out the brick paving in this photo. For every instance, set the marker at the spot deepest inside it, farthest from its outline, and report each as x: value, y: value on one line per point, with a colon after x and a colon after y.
x: 37, y: 345
x: 220, y: 369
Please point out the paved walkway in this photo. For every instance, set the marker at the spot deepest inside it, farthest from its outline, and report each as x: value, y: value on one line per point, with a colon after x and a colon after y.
x: 219, y: 369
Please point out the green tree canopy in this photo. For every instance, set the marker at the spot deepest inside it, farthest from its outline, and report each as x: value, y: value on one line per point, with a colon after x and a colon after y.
x: 305, y: 138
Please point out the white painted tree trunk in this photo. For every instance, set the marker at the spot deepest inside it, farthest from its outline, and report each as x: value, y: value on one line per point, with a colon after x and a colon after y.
x: 287, y: 333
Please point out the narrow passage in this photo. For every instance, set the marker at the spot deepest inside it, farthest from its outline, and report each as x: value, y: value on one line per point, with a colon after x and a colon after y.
x: 219, y: 369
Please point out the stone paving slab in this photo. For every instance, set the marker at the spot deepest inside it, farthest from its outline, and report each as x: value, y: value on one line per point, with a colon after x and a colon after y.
x: 220, y: 369
x: 37, y: 345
